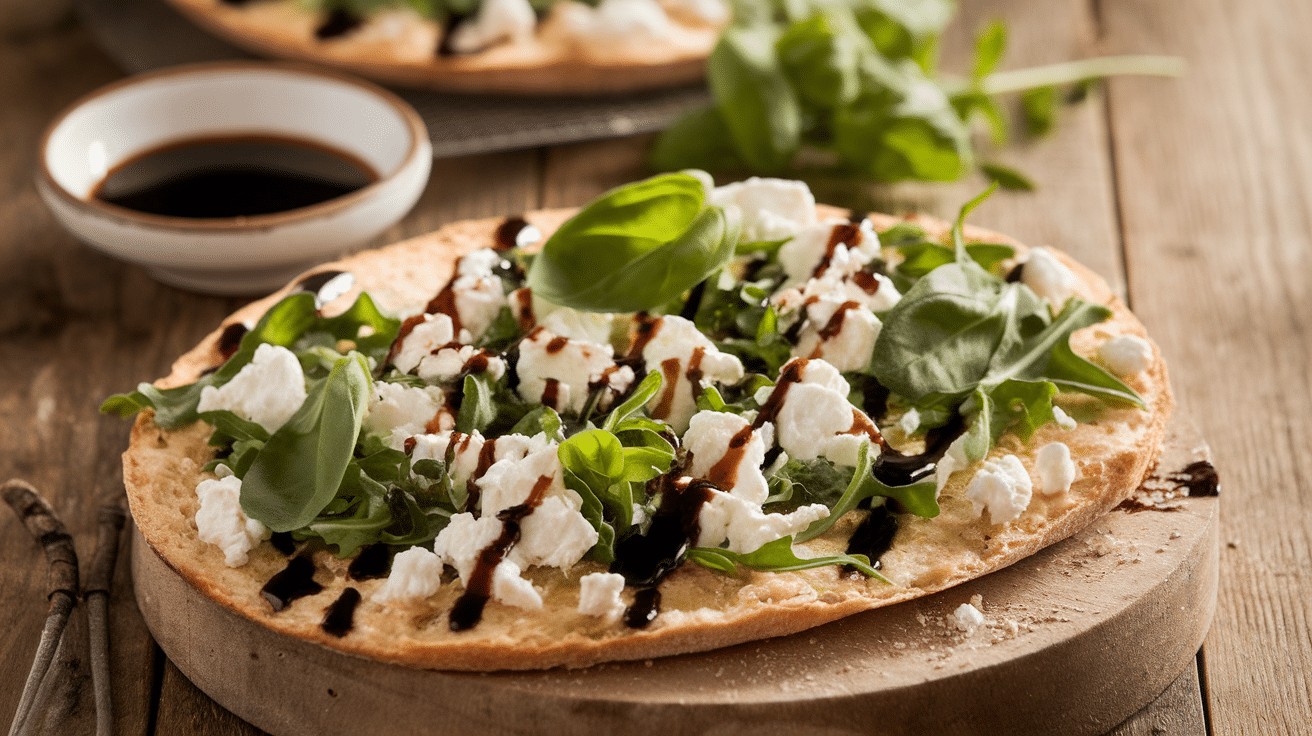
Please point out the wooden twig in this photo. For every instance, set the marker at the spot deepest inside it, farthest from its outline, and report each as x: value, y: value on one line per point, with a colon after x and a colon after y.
x: 99, y: 580
x: 62, y: 582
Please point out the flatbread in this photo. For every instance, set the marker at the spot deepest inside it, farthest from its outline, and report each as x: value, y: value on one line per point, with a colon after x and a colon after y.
x: 700, y: 609
x: 400, y: 47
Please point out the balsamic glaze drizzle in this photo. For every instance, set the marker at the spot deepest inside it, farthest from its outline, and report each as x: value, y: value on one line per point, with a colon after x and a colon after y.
x: 295, y: 581
x: 339, y: 22
x: 1199, y: 478
x: 339, y: 618
x: 284, y: 543
x: 372, y: 562
x: 874, y: 536
x: 646, y: 606
x: 230, y: 339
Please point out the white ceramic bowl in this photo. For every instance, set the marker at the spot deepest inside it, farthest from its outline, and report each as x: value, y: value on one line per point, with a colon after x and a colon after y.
x: 237, y: 255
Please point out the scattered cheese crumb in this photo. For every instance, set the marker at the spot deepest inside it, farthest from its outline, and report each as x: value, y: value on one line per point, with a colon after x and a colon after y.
x: 968, y: 618
x: 1126, y: 355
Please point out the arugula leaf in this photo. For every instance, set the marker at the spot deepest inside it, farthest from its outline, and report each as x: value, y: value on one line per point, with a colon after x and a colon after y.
x: 646, y: 389
x: 302, y: 465
x: 776, y: 556
x: 1006, y: 177
x: 651, y: 241
x: 918, y: 498
x: 596, y: 459
x: 477, y: 408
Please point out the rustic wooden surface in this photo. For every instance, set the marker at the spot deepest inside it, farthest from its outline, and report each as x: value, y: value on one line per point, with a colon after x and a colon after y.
x: 1193, y: 194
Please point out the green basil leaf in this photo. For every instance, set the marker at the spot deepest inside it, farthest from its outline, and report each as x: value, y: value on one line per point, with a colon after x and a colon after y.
x: 698, y: 140
x: 302, y: 465
x: 754, y: 98
x: 819, y: 56
x: 542, y: 419
x: 596, y: 457
x: 636, y: 247
x: 643, y: 463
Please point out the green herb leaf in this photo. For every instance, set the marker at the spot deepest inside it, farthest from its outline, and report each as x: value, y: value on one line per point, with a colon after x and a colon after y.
x: 478, y: 409
x: 776, y: 556
x: 646, y: 389
x: 758, y: 105
x: 1006, y: 177
x: 700, y: 139
x: 301, y: 467
x: 650, y: 241
x: 1040, y: 109
x: 989, y: 46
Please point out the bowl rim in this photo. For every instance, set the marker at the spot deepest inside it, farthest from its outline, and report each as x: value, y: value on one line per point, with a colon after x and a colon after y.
x: 410, y: 118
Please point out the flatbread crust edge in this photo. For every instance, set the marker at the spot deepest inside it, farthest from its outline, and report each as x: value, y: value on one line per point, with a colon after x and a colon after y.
x: 546, y: 65
x: 701, y: 609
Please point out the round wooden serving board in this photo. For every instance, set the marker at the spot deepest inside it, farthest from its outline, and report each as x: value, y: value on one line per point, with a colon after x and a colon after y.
x: 1076, y: 638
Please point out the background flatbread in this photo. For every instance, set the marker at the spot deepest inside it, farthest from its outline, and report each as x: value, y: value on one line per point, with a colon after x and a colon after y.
x: 701, y: 609
x: 401, y: 48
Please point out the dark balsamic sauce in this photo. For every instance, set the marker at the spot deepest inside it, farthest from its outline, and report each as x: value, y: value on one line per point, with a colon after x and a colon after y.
x: 896, y: 469
x: 339, y: 22
x: 295, y: 581
x: 874, y: 535
x: 1199, y: 478
x: 326, y: 285
x: 339, y: 618
x: 372, y: 562
x: 645, y: 560
x: 1015, y: 273
x: 874, y: 396
x: 646, y: 606
x: 690, y: 307
x: 230, y: 339
x: 453, y: 20
x: 232, y: 176
x: 515, y: 232
x: 846, y: 234
x: 284, y: 543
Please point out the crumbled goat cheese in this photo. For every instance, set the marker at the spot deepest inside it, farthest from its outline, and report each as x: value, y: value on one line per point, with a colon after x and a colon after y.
x: 462, y: 542
x: 816, y: 418
x: 496, y: 21
x: 671, y: 351
x: 457, y: 450
x: 221, y: 522
x: 510, y: 480
x: 448, y: 363
x: 434, y: 332
x: 1048, y: 277
x: 953, y: 460
x: 851, y: 347
x: 707, y: 441
x: 707, y: 12
x: 746, y: 527
x: 1126, y: 355
x: 809, y: 249
x: 968, y: 618
x: 600, y: 595
x: 1062, y: 419
x: 397, y: 411
x: 416, y: 573
x: 268, y: 390
x: 555, y: 534
x: 479, y: 299
x: 574, y: 365
x: 909, y: 422
x: 615, y: 21
x: 1055, y: 467
x: 594, y: 327
x: 772, y: 209
x: 1002, y: 486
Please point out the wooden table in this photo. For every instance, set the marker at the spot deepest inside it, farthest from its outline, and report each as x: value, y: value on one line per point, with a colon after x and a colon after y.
x: 1192, y: 196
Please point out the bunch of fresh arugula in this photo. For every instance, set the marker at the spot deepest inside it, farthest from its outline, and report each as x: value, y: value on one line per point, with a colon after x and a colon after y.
x: 858, y: 80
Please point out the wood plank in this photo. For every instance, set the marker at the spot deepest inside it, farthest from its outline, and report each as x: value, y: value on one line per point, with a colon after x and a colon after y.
x: 574, y: 174
x: 1215, y: 173
x: 1178, y: 710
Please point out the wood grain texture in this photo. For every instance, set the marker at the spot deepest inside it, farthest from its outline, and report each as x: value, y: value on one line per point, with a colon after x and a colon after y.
x: 1215, y: 177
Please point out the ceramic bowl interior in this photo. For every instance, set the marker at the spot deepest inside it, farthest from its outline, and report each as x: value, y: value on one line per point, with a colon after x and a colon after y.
x: 233, y: 100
